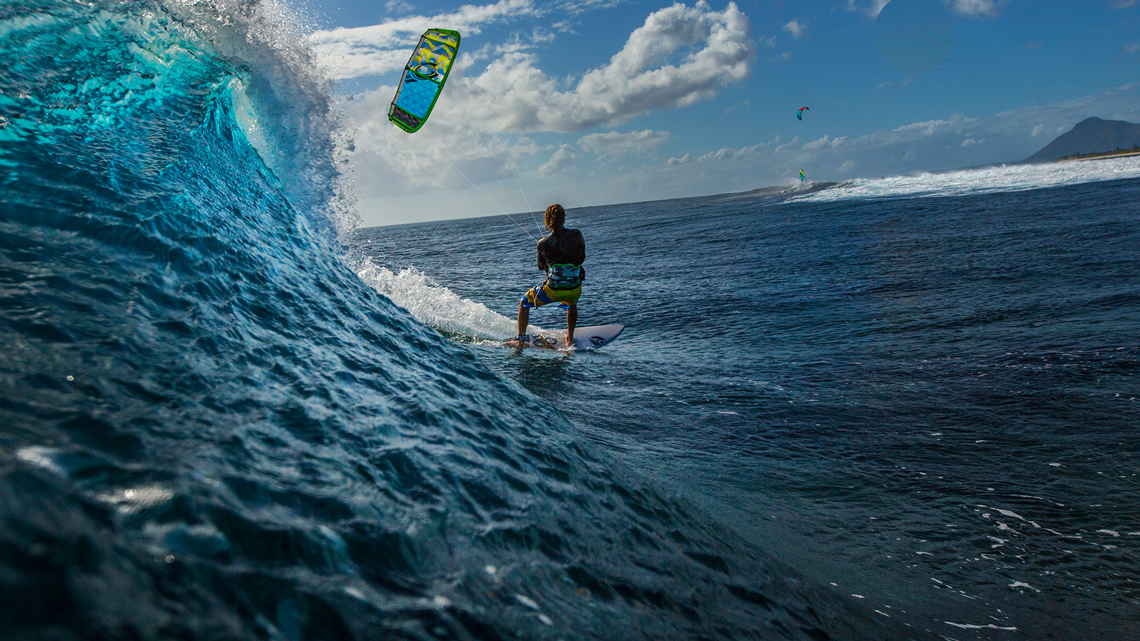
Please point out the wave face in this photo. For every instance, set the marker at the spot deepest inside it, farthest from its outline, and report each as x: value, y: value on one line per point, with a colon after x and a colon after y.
x: 212, y: 428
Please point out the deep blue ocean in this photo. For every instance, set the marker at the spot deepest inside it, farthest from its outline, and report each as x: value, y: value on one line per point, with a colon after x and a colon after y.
x: 885, y: 409
x: 926, y: 404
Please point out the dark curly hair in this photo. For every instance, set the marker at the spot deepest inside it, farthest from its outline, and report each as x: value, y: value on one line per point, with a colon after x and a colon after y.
x: 555, y: 217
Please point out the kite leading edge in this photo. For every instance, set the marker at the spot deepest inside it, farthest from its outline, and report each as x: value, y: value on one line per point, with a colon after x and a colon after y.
x: 423, y: 79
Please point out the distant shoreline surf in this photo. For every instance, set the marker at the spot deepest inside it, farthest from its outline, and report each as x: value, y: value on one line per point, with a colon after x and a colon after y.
x: 1100, y: 156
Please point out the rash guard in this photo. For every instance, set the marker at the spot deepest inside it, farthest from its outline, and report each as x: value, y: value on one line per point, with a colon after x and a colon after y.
x: 561, y: 255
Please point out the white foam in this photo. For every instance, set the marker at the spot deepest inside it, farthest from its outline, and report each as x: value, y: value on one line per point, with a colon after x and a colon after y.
x: 137, y: 499
x: 43, y: 457
x: 988, y: 626
x: 1003, y: 178
x: 1009, y: 514
x: 435, y: 305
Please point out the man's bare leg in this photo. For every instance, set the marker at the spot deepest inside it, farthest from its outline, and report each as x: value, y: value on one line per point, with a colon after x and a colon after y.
x: 571, y: 323
x: 524, y: 319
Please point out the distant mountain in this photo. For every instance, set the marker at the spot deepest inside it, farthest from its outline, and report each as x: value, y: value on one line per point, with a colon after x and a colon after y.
x: 1090, y: 136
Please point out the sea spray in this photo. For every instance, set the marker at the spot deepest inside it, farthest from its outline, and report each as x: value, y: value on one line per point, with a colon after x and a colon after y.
x: 981, y: 180
x: 435, y: 305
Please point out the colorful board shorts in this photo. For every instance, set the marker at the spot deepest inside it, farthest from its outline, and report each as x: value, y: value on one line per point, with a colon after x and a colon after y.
x: 542, y: 294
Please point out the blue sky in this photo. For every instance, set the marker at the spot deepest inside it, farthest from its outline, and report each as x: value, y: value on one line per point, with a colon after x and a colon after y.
x: 588, y: 102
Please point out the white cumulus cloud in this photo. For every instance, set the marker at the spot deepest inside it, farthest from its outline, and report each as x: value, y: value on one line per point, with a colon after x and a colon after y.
x: 970, y: 8
x: 383, y: 48
x: 787, y: 145
x: 976, y: 7
x: 398, y: 6
x: 870, y: 9
x: 723, y: 154
x: 612, y: 144
x: 560, y: 160
x: 826, y: 142
x: 796, y: 28
x: 514, y: 95
x: 900, y: 84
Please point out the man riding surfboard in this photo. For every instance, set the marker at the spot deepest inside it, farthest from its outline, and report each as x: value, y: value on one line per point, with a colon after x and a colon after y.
x: 560, y: 255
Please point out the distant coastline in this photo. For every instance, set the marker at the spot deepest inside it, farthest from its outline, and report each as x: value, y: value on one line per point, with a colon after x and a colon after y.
x: 1092, y: 138
x: 1135, y: 151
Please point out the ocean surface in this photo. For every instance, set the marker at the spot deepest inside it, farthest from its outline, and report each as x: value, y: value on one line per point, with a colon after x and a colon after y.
x: 921, y: 393
x: 885, y: 409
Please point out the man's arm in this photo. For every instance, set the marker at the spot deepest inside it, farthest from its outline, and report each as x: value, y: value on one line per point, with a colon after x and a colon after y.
x: 541, y: 258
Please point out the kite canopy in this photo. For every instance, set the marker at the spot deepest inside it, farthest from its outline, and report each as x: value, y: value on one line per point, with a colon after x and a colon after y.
x: 423, y: 79
x: 800, y: 112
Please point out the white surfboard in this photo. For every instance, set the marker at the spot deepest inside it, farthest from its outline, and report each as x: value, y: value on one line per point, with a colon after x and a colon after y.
x: 586, y: 339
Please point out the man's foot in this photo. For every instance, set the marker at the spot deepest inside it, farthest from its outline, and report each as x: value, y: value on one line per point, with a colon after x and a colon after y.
x: 522, y: 340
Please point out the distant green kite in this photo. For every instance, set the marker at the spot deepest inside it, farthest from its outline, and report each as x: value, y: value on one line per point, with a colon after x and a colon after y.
x: 423, y: 79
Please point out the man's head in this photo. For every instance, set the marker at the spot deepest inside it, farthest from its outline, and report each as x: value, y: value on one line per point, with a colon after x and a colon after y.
x: 555, y: 217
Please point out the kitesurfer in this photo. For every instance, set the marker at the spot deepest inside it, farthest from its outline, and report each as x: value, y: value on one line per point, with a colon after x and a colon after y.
x: 560, y: 255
